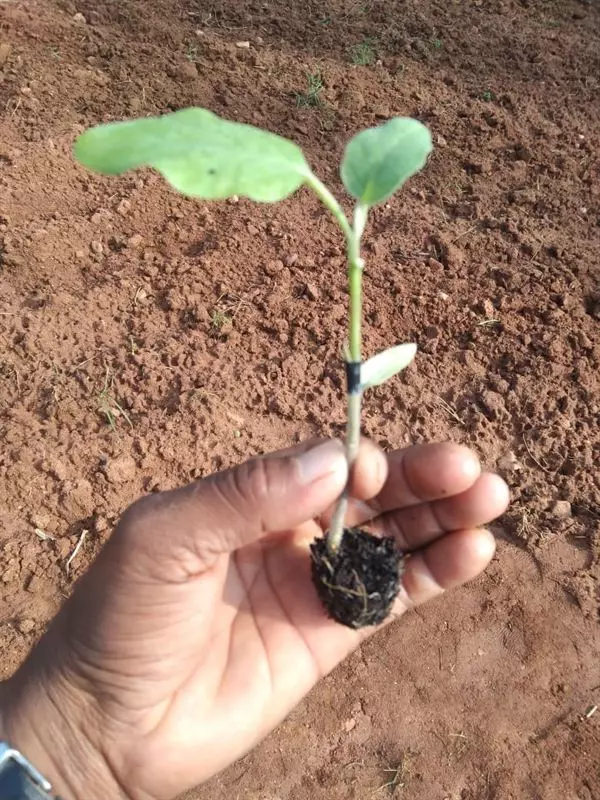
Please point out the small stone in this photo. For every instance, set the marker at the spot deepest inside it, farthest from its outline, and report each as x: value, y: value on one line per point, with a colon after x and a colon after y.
x: 441, y: 141
x: 135, y: 240
x: 79, y: 18
x: 499, y: 385
x: 488, y: 309
x: 454, y: 255
x: 509, y: 463
x: 10, y: 575
x: 349, y: 725
x: 100, y: 524
x: 78, y: 498
x: 470, y: 360
x: 311, y: 291
x: 435, y: 264
x: 561, y: 509
x: 96, y: 247
x: 188, y: 71
x: 26, y: 625
x: 5, y: 51
x: 37, y: 585
x: 235, y: 418
x: 121, y: 469
x: 290, y: 259
x: 273, y: 268
x: 243, y: 45
x: 79, y: 254
x: 351, y: 99
x: 493, y: 404
x: 124, y: 207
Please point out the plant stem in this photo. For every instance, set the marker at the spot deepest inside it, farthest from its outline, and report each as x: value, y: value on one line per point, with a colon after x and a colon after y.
x: 355, y: 273
x: 353, y: 234
x: 354, y: 396
x: 336, y: 529
x: 332, y: 204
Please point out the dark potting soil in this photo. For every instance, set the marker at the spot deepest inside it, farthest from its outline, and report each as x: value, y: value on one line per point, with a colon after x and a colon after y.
x: 358, y: 584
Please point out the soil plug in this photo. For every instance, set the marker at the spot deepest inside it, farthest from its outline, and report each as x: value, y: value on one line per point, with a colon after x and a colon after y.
x: 359, y: 582
x: 356, y: 575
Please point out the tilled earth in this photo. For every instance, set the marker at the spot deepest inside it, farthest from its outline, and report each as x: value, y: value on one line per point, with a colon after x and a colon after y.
x: 147, y: 340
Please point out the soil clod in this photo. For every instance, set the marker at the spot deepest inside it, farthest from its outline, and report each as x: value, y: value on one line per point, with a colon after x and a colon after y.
x: 358, y: 584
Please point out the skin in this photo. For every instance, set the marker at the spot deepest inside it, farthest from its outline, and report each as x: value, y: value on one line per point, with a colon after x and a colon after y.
x: 197, y: 630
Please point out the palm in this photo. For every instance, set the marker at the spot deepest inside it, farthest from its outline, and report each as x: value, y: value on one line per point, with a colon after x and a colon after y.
x: 216, y: 655
x: 268, y: 642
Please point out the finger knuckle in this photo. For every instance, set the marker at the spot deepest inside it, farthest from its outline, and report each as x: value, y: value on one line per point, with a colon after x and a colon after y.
x: 252, y: 482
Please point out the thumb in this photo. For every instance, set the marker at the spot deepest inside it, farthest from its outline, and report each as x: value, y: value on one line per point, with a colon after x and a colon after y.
x: 234, y: 508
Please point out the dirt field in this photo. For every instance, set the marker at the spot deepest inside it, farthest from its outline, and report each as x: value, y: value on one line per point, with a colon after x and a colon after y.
x: 146, y: 340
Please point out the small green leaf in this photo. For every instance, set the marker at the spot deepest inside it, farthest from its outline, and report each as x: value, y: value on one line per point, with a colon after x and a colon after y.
x: 379, y: 160
x: 199, y: 154
x: 385, y: 365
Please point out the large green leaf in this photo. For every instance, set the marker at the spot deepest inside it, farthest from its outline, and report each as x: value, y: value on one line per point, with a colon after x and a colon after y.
x: 386, y: 364
x: 379, y: 160
x: 199, y: 154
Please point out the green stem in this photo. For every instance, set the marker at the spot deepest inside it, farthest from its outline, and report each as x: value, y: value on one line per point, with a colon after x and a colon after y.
x: 355, y: 271
x: 353, y: 235
x: 332, y: 204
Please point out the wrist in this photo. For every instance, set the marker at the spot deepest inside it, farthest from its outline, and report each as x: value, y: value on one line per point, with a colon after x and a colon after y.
x: 51, y: 723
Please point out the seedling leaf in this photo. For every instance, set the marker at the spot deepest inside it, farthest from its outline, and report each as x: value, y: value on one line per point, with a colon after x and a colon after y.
x: 199, y: 154
x: 385, y: 365
x: 379, y: 160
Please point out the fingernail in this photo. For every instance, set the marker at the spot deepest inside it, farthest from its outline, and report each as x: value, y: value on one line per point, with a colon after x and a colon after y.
x: 322, y: 461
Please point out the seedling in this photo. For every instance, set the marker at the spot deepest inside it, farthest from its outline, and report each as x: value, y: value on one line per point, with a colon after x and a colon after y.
x: 219, y: 319
x: 312, y: 97
x: 109, y: 406
x: 192, y: 53
x: 396, y: 777
x: 356, y: 575
x: 364, y: 53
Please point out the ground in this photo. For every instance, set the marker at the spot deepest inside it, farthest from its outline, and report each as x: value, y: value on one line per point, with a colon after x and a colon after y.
x: 147, y: 340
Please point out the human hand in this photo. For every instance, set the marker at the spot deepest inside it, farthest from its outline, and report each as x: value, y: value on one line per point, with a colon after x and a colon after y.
x: 198, y: 629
